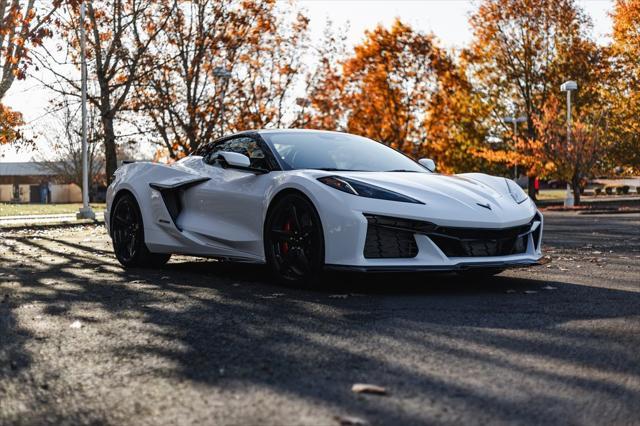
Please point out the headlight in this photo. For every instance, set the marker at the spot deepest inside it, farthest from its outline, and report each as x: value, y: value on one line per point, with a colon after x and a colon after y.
x: 516, y: 192
x: 354, y: 187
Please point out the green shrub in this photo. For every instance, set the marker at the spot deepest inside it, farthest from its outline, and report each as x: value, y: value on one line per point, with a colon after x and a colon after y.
x: 608, y: 190
x: 638, y: 189
x: 625, y: 189
x: 598, y: 190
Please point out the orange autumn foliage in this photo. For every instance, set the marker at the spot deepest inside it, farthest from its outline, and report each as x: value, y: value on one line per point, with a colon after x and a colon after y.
x: 399, y: 88
x: 623, y: 96
x: 23, y: 25
x: 185, y: 104
x: 9, y: 122
x: 522, y: 50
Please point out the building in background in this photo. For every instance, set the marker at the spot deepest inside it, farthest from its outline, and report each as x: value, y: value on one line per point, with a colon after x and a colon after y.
x: 36, y: 182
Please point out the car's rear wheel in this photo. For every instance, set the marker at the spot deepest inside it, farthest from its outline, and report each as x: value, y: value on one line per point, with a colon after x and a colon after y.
x: 294, y: 242
x: 127, y: 235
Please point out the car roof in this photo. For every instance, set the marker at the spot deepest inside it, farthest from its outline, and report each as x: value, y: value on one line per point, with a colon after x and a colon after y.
x: 267, y: 131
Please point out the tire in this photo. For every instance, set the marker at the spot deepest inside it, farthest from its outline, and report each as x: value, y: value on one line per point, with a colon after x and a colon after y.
x: 294, y: 241
x: 480, y: 272
x: 127, y: 236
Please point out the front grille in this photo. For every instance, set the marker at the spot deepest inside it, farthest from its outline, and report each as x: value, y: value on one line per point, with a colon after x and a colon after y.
x: 389, y: 237
x: 491, y: 246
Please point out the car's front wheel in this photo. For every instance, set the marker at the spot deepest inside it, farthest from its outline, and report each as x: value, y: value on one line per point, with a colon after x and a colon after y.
x: 127, y: 235
x: 294, y: 242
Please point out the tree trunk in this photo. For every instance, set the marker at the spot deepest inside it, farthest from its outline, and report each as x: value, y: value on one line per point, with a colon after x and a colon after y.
x: 575, y: 185
x: 111, y: 159
x: 532, y: 188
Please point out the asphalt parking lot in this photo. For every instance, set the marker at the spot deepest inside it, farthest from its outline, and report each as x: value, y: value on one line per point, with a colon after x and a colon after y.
x: 201, y: 342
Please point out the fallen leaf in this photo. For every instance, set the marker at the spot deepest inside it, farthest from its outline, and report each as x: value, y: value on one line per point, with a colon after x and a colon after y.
x: 338, y: 296
x: 351, y: 421
x: 368, y: 388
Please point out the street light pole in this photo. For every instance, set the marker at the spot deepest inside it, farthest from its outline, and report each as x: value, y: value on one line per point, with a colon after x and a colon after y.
x: 85, y: 212
x: 568, y: 87
x: 223, y: 75
x: 515, y: 121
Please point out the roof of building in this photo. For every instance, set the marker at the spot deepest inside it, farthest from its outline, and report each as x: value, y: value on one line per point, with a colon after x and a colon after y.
x: 30, y: 168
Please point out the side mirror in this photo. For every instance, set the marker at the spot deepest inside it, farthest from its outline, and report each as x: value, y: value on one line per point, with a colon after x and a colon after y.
x: 428, y: 164
x: 235, y: 159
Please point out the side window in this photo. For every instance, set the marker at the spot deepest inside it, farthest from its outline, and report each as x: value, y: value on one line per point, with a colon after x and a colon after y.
x: 243, y: 145
x: 203, y: 150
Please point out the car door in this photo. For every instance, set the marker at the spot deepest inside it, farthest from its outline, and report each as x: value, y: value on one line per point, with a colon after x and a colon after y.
x: 227, y: 210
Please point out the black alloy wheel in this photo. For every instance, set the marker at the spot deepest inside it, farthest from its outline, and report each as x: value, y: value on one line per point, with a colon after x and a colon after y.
x: 127, y: 235
x: 294, y: 242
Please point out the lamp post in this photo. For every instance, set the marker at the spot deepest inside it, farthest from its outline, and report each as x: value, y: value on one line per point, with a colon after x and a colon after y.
x: 515, y: 121
x: 85, y: 211
x: 224, y: 75
x: 569, y: 86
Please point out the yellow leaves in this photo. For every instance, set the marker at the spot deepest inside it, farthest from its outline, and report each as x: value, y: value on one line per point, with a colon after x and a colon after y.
x: 21, y: 27
x: 121, y: 78
x: 106, y: 36
x: 9, y: 122
x: 626, y: 25
x: 150, y: 27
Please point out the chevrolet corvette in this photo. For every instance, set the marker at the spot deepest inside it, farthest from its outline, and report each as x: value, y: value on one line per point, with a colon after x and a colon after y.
x: 303, y: 201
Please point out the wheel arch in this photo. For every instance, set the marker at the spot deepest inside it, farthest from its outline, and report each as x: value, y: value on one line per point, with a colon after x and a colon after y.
x: 117, y: 196
x: 282, y: 193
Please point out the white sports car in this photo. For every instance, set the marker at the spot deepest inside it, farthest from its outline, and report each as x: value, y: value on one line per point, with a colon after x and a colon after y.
x: 305, y: 200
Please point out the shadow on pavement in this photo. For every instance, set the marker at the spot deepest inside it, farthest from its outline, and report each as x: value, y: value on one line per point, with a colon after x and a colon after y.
x: 425, y: 337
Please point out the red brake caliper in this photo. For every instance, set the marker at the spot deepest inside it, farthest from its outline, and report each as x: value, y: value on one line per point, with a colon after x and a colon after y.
x: 284, y: 246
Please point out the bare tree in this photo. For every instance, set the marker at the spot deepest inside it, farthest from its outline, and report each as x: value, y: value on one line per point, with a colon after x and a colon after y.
x: 119, y: 35
x: 180, y: 96
x: 64, y: 140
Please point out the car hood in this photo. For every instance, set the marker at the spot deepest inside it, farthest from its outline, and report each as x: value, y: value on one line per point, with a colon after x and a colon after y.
x: 474, y: 191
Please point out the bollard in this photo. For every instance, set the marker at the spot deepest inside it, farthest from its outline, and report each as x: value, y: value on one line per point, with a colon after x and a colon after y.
x: 568, y: 198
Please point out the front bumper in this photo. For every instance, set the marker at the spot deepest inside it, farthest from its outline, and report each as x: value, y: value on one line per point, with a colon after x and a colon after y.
x: 463, y: 266
x: 415, y: 245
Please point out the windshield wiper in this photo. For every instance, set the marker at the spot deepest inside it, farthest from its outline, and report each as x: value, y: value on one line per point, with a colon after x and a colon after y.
x: 333, y: 169
x: 402, y: 170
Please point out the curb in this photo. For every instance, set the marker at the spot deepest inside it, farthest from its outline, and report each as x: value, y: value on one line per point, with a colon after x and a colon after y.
x: 50, y: 225
x: 595, y: 203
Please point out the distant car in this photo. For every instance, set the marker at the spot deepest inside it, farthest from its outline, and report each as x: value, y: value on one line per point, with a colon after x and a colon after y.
x: 556, y: 184
x: 304, y: 200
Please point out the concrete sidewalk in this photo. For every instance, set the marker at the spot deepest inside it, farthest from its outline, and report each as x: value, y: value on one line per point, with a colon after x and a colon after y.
x: 45, y: 220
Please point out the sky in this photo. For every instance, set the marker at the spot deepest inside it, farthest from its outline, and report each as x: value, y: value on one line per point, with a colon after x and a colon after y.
x: 447, y: 19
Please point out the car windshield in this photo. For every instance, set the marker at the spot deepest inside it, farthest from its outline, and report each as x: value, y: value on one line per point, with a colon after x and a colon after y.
x: 337, y: 151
